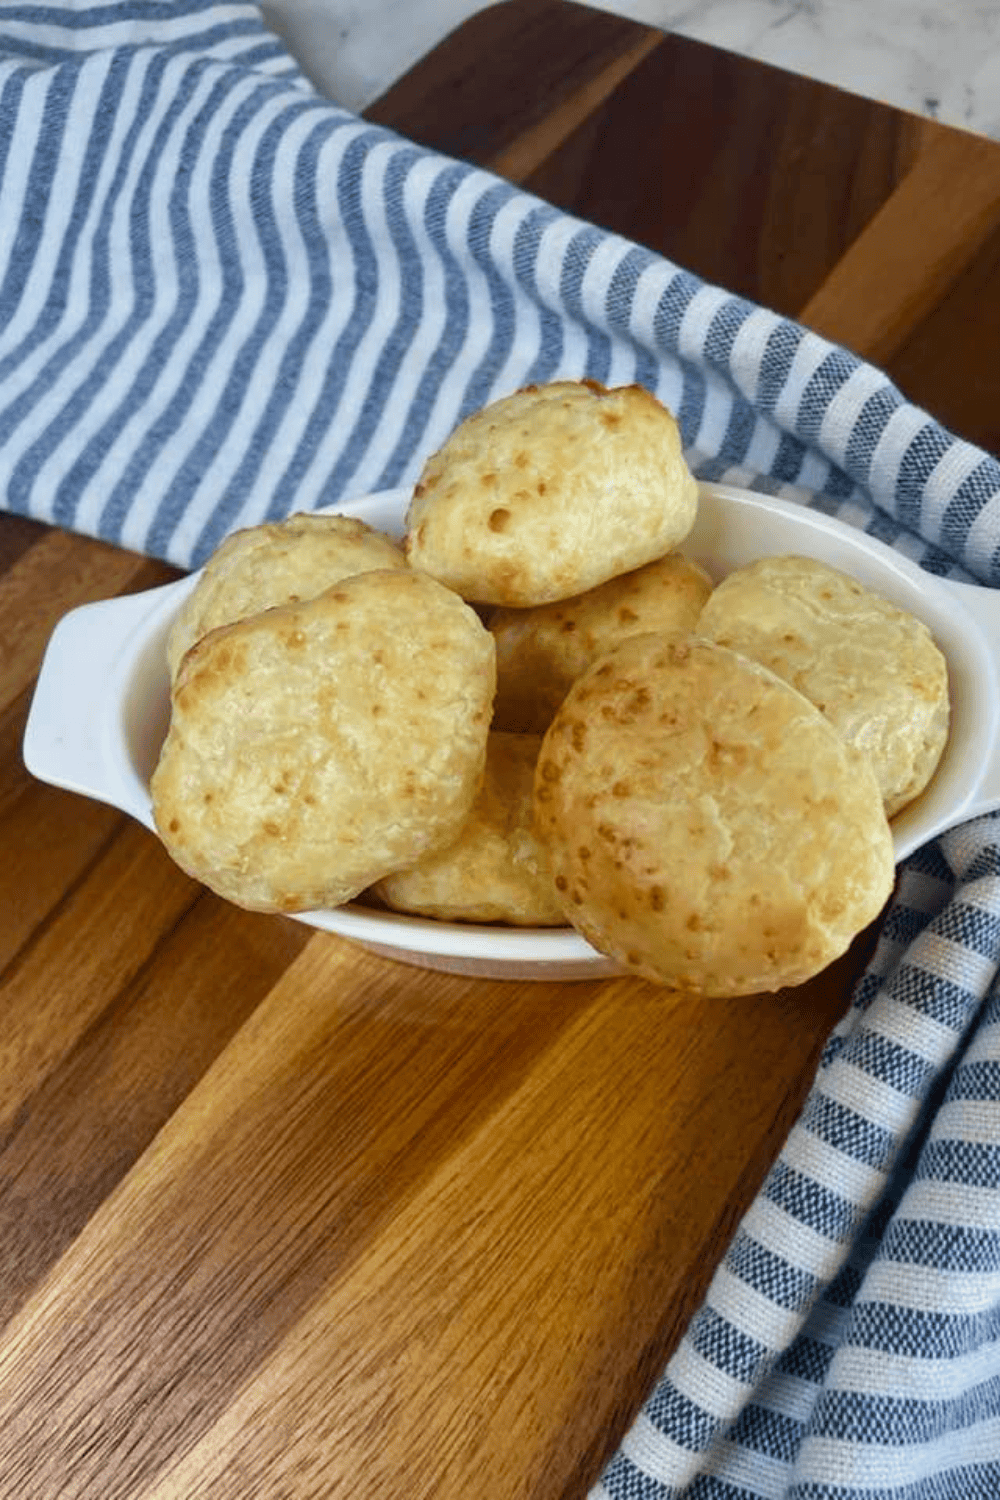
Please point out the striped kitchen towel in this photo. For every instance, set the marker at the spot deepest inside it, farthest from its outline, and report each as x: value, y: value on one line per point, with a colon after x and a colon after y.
x: 223, y: 299
x: 848, y: 1347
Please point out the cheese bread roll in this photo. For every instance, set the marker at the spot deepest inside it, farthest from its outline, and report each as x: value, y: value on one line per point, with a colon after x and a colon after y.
x: 317, y: 747
x: 871, y: 667
x: 276, y: 563
x: 496, y: 870
x: 542, y: 651
x: 550, y: 491
x: 708, y: 827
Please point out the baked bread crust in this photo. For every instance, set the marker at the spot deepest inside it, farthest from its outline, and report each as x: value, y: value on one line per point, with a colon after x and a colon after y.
x: 707, y: 826
x: 542, y: 651
x: 281, y: 562
x: 551, y: 491
x: 316, y: 747
x: 871, y: 667
x: 497, y: 870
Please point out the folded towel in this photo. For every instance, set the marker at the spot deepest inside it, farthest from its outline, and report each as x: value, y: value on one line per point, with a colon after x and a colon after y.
x: 223, y: 299
x: 849, y: 1344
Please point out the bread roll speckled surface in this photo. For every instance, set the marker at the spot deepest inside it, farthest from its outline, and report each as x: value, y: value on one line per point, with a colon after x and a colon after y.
x: 872, y: 668
x: 317, y: 747
x: 496, y: 870
x: 551, y: 491
x: 542, y: 651
x: 707, y: 826
x: 280, y: 562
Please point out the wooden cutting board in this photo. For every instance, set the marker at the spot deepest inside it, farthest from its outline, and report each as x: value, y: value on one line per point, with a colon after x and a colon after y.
x: 282, y: 1219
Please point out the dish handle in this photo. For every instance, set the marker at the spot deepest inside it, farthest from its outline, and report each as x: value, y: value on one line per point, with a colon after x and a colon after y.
x: 984, y: 606
x: 73, y: 735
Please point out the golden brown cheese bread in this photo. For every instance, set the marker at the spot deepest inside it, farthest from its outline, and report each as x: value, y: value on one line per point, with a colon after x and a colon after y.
x: 707, y: 826
x: 550, y: 491
x: 496, y: 870
x: 317, y: 747
x: 542, y: 651
x: 871, y: 667
x: 282, y: 562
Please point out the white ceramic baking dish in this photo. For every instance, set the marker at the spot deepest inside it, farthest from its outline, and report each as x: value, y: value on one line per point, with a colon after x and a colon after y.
x: 100, y: 711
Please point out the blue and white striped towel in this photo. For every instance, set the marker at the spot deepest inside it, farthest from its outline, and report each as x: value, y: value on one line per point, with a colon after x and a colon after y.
x: 222, y: 299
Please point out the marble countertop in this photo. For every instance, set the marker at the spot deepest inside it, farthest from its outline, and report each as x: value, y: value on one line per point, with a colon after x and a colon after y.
x: 938, y: 58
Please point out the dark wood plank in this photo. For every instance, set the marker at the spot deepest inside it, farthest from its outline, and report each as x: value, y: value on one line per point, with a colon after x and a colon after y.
x: 755, y: 179
x: 491, y: 90
x: 95, y: 1110
x: 911, y: 256
x: 749, y: 176
x: 950, y: 362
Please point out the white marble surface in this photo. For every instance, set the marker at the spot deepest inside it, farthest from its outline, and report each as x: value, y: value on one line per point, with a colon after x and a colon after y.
x: 939, y: 58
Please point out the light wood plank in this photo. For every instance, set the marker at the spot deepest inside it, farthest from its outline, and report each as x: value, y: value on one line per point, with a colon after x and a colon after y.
x: 914, y: 250
x: 465, y: 1193
x: 79, y: 958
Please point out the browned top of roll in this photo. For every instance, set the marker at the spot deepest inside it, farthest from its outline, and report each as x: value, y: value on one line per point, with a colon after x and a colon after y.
x: 707, y: 825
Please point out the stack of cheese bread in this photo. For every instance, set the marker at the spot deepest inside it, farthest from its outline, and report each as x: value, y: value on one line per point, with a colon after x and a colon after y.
x: 539, y: 712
